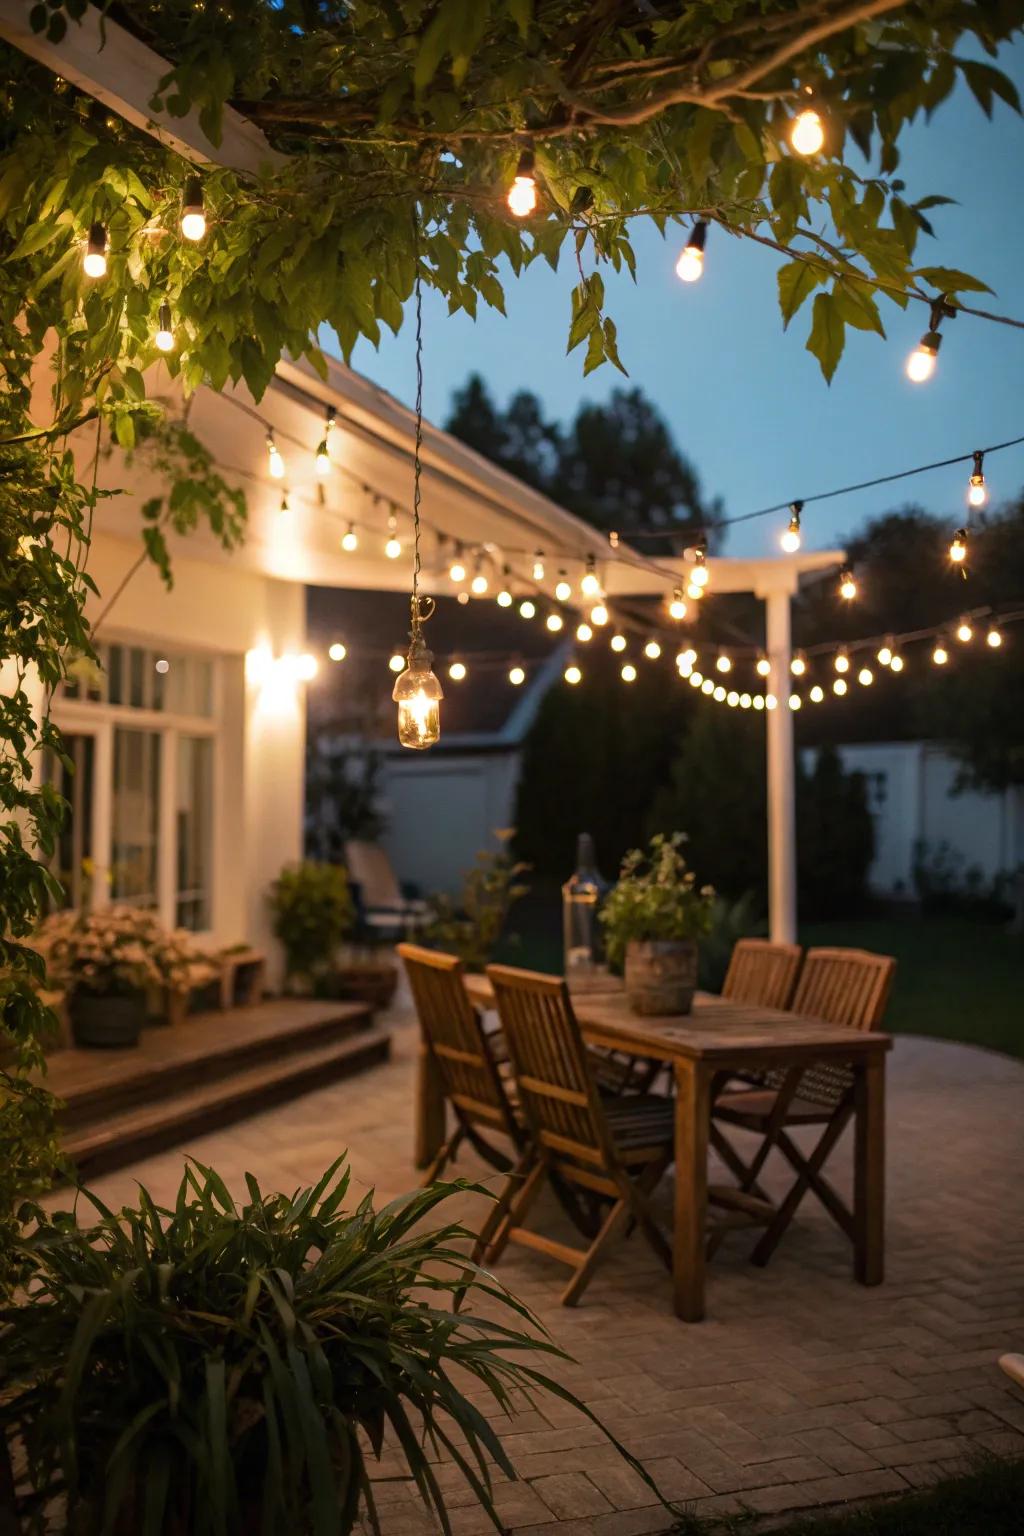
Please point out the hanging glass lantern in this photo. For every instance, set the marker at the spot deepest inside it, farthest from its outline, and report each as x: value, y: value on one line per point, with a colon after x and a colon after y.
x: 417, y: 691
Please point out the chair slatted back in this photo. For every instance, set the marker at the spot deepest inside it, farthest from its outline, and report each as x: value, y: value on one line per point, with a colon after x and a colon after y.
x: 556, y: 1088
x: 455, y: 1036
x: 839, y: 986
x: 762, y: 973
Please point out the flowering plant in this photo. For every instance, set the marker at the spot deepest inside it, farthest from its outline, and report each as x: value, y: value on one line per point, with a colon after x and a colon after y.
x: 118, y: 950
x: 656, y: 898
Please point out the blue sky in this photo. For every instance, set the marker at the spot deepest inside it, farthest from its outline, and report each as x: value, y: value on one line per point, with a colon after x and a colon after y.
x: 746, y: 402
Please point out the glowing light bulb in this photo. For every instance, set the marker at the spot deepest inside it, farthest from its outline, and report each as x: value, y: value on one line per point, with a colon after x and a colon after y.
x: 393, y: 547
x: 628, y: 673
x: 994, y: 638
x: 572, y: 674
x: 478, y: 586
x: 599, y: 615
x: 732, y: 698
x: 322, y: 461
x: 527, y: 608
x: 538, y: 566
x: 817, y: 694
x: 694, y: 592
x: 696, y: 679
x: 350, y: 539
x: 418, y: 695
x: 690, y: 265
x: 885, y: 655
x: 790, y: 540
x: 684, y: 664
x: 839, y: 686
x: 847, y: 586
x: 193, y: 216
x: 522, y: 194
x: 584, y: 632
x: 516, y: 676
x: 462, y: 599
x: 724, y: 663
x: 965, y: 631
x: 896, y: 665
x: 94, y: 260
x: 940, y: 655
x: 699, y: 574
x: 763, y: 667
x: 652, y: 650
x: 921, y: 362
x: 555, y: 622
x: 164, y: 337
x: 707, y: 687
x: 397, y: 662
x: 807, y: 132
x: 337, y: 651
x: 618, y: 642
x: 798, y: 666
x: 275, y: 463
x: 505, y: 598
x: 677, y: 607
x: 590, y: 586
x: 457, y: 570
x: 795, y: 701
x: 865, y: 677
x: 758, y: 702
x: 977, y: 490
x: 745, y: 701
x: 457, y: 671
x: 563, y: 589
x: 842, y: 662
x: 718, y: 694
x: 958, y: 547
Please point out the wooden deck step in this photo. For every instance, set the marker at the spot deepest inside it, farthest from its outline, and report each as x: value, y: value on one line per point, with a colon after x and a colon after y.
x: 171, y: 1120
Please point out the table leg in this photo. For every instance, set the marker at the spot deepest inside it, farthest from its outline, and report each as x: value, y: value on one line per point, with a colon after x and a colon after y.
x: 430, y: 1108
x: 693, y: 1115
x: 869, y: 1172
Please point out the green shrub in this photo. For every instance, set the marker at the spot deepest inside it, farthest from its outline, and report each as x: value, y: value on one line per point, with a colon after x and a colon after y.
x: 313, y: 911
x: 219, y: 1370
x: 471, y: 925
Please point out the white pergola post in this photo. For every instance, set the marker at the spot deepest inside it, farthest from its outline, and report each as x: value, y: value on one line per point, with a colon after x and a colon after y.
x: 781, y: 770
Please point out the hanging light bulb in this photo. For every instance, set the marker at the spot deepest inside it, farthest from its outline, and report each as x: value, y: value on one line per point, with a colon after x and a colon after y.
x: 505, y: 598
x: 842, y: 662
x: 590, y: 586
x: 599, y: 615
x: 337, y: 651
x: 193, y: 215
x: 563, y: 588
x: 700, y: 573
x: 94, y: 261
x: 684, y: 663
x: 538, y: 566
x: 522, y: 194
x: 275, y: 463
x: 718, y: 694
x: 994, y: 638
x: 457, y: 671
x: 965, y: 631
x: 798, y: 665
x: 921, y: 362
x: 839, y: 686
x: 940, y: 655
x: 795, y: 701
x: 418, y: 695
x: 555, y: 622
x: 516, y: 676
x: 628, y: 673
x: 770, y: 701
x: 584, y: 633
x: 896, y: 664
x: 958, y: 547
x: 478, y: 586
x: 763, y: 666
x: 807, y: 132
x: 393, y: 547
x: 758, y: 702
x: 724, y: 662
x: 885, y: 654
x: 732, y: 698
x: 847, y: 585
x: 652, y: 650
x: 977, y: 490
x: 707, y: 687
x: 527, y: 608
x: 164, y: 337
x: 457, y: 570
x: 618, y: 642
x: 690, y: 265
x: 696, y: 679
x: 790, y: 540
x: 677, y: 607
x: 745, y: 701
x: 865, y: 677
x: 572, y: 674
x: 817, y: 693
x: 350, y: 539
x: 323, y: 452
x: 397, y: 662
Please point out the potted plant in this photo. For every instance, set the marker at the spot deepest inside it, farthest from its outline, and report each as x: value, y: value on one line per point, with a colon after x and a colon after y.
x: 223, y: 1369
x: 653, y: 919
x: 312, y: 912
x: 471, y: 925
x: 104, y: 962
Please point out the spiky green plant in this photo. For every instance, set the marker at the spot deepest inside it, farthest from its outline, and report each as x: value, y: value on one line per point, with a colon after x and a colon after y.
x: 221, y: 1370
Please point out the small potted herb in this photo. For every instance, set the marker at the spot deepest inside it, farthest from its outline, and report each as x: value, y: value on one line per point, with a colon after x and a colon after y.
x: 652, y: 920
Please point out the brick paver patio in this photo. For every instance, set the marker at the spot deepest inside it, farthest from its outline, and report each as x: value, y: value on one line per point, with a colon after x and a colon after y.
x: 801, y: 1388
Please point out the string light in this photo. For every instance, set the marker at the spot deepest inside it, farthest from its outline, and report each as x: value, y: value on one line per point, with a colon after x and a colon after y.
x: 690, y: 265
x: 885, y: 654
x: 798, y: 665
x: 977, y: 490
x: 457, y: 671
x: 842, y: 662
x: 847, y: 585
x: 538, y: 566
x: 745, y: 701
x: 817, y: 693
x: 618, y: 642
x: 807, y: 132
x: 708, y: 686
x: 457, y: 569
x: 554, y: 622
x: 652, y: 650
x: 590, y: 586
x: 563, y: 589
x: 527, y: 608
x: 696, y: 679
x: 732, y: 698
x: 164, y: 337
x: 699, y: 575
x: 790, y: 540
x: 337, y: 652
x: 759, y: 702
x: 94, y: 260
x: 839, y: 686
x: 628, y: 673
x: 193, y: 215
x: 397, y: 662
x: 478, y: 586
x: 572, y: 674
x: 599, y: 615
x: 724, y: 662
x: 763, y: 666
x: 584, y: 632
x: 516, y: 676
x: 677, y: 607
x: 965, y: 631
x: 323, y: 452
x: 393, y: 547
x: 684, y: 663
x: 795, y: 701
x: 350, y: 539
x: 718, y: 693
x: 958, y: 547
x: 865, y: 677
x: 462, y: 599
x: 994, y: 638
x: 505, y: 598
x: 921, y: 362
x: 522, y: 194
x: 896, y: 664
x: 940, y: 655
x: 275, y: 463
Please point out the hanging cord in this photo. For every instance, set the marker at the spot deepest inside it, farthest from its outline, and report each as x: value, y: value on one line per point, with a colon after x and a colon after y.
x: 421, y: 608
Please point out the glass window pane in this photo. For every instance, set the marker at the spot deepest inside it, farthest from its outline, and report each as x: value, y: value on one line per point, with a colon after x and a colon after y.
x: 136, y: 811
x: 115, y: 675
x: 136, y: 693
x: 72, y: 864
x: 193, y: 820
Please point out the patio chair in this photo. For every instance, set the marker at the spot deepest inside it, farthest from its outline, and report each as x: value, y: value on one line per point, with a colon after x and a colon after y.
x: 840, y: 986
x: 466, y: 1062
x: 616, y: 1149
x: 762, y: 972
x: 385, y: 911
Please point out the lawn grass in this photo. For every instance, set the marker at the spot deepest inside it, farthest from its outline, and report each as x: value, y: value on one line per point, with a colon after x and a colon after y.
x: 985, y: 1502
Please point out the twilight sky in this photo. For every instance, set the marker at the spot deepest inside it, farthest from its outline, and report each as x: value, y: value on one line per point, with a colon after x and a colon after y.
x: 746, y: 402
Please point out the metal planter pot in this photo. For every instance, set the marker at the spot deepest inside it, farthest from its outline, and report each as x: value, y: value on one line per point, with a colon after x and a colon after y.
x: 107, y: 1022
x: 661, y: 975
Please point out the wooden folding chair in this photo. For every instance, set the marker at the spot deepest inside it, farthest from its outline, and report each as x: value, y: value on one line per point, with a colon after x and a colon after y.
x: 839, y: 986
x: 762, y: 972
x: 466, y: 1064
x: 617, y: 1149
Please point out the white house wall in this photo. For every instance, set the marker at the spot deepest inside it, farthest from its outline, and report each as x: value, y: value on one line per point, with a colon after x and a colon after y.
x: 441, y: 811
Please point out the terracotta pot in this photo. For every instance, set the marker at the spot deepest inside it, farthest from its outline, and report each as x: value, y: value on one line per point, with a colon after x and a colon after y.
x: 107, y: 1021
x: 661, y: 975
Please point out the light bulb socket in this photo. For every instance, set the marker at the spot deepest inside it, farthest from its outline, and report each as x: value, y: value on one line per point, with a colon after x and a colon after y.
x: 97, y: 240
x: 164, y: 316
x: 930, y: 342
x: 527, y: 163
x: 698, y: 236
x: 193, y: 199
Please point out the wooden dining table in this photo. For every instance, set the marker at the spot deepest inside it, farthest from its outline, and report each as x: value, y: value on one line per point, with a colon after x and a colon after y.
x: 718, y: 1037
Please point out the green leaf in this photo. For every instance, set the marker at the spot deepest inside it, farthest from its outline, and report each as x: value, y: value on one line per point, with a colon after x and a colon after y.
x: 797, y: 281
x: 949, y: 280
x: 857, y: 307
x: 986, y: 81
x: 828, y: 336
